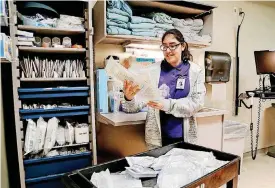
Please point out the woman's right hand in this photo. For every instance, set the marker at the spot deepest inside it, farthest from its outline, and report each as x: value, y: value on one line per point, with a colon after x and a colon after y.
x: 130, y: 90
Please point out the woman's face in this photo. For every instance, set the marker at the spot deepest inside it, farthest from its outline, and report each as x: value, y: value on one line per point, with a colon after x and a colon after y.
x: 172, y: 56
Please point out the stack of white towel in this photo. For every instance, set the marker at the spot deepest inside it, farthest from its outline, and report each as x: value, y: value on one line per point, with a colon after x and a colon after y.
x: 190, y: 29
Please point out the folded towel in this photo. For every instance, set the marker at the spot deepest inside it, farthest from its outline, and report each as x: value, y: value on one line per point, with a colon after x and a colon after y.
x: 113, y: 30
x: 143, y: 30
x: 145, y: 34
x: 188, y: 36
x: 177, y: 22
x: 187, y: 21
x: 141, y: 26
x: 203, y: 38
x: 198, y: 22
x: 114, y: 16
x: 165, y: 26
x: 185, y: 29
x: 117, y: 23
x: 120, y: 4
x: 160, y: 17
x: 138, y: 19
x: 118, y: 11
x: 197, y: 28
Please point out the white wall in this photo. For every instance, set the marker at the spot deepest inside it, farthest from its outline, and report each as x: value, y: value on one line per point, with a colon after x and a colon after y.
x: 257, y: 33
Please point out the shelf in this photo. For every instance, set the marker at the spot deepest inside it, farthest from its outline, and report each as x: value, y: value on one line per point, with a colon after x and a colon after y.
x: 51, y: 31
x: 72, y: 145
x: 180, y: 7
x: 58, y: 157
x: 33, y: 90
x: 122, y: 118
x: 54, y: 112
x: 4, y: 60
x: 177, y: 9
x: 58, y: 109
x: 57, y: 95
x: 130, y: 41
x: 51, y: 79
x: 52, y: 50
x: 64, y: 114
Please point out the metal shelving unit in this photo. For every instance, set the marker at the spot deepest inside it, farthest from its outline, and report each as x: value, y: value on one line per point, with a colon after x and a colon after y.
x: 52, y: 50
x: 22, y: 92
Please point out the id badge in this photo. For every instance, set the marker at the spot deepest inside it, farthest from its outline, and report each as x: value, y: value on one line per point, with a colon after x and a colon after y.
x: 180, y: 83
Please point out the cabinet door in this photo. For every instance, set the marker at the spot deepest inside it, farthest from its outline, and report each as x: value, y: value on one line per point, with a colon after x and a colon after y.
x: 210, y: 131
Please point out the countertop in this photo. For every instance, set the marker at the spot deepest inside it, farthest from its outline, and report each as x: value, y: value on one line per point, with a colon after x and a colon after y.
x: 121, y: 118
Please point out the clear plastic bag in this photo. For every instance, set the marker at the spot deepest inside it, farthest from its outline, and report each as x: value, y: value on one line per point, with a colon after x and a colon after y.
x: 233, y: 129
x: 69, y: 133
x: 60, y: 136
x: 148, y: 91
x: 40, y: 134
x: 51, y: 134
x: 30, y: 137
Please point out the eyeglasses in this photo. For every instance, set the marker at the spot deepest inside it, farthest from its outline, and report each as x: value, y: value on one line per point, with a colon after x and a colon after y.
x: 172, y: 47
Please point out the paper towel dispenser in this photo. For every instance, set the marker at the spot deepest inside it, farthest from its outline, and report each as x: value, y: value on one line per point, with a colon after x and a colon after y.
x: 217, y: 66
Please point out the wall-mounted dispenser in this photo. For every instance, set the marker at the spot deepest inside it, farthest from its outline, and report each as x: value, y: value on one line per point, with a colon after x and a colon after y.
x: 217, y: 67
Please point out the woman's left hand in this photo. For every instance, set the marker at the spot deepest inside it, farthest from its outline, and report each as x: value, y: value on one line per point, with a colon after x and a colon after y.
x: 156, y: 105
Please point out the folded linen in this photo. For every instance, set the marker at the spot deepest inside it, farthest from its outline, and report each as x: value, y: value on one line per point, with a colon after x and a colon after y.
x: 141, y: 26
x: 113, y: 30
x: 185, y: 29
x: 120, y: 4
x: 118, y: 11
x: 117, y: 23
x: 197, y: 22
x: 187, y: 21
x: 203, y: 38
x: 160, y: 17
x: 114, y: 16
x: 165, y: 26
x: 145, y: 33
x: 138, y: 19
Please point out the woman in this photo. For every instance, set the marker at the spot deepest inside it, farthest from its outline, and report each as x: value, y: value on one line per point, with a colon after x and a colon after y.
x: 181, y: 83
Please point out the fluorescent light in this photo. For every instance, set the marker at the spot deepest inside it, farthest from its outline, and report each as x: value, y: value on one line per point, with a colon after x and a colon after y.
x: 143, y: 46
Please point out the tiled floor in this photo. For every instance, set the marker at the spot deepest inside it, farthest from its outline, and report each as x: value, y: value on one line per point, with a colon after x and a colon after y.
x: 259, y: 173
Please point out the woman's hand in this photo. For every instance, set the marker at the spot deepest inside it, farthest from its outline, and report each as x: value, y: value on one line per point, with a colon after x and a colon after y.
x: 130, y: 90
x: 156, y: 105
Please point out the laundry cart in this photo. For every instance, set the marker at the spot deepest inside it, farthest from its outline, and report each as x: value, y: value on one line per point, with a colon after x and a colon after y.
x: 226, y: 174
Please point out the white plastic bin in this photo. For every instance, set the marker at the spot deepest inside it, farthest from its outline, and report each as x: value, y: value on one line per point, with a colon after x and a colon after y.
x: 234, y: 138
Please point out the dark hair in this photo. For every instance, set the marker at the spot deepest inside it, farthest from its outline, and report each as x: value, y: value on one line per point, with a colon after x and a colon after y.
x: 178, y: 35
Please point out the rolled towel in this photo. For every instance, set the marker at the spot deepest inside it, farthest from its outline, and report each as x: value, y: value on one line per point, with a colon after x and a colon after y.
x: 165, y: 26
x: 138, y: 19
x: 118, y: 11
x: 197, y: 22
x: 141, y: 26
x: 187, y: 21
x: 203, y: 38
x: 177, y: 22
x: 114, y: 16
x: 185, y: 29
x: 117, y: 23
x: 197, y: 28
x: 160, y: 17
x: 113, y: 30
